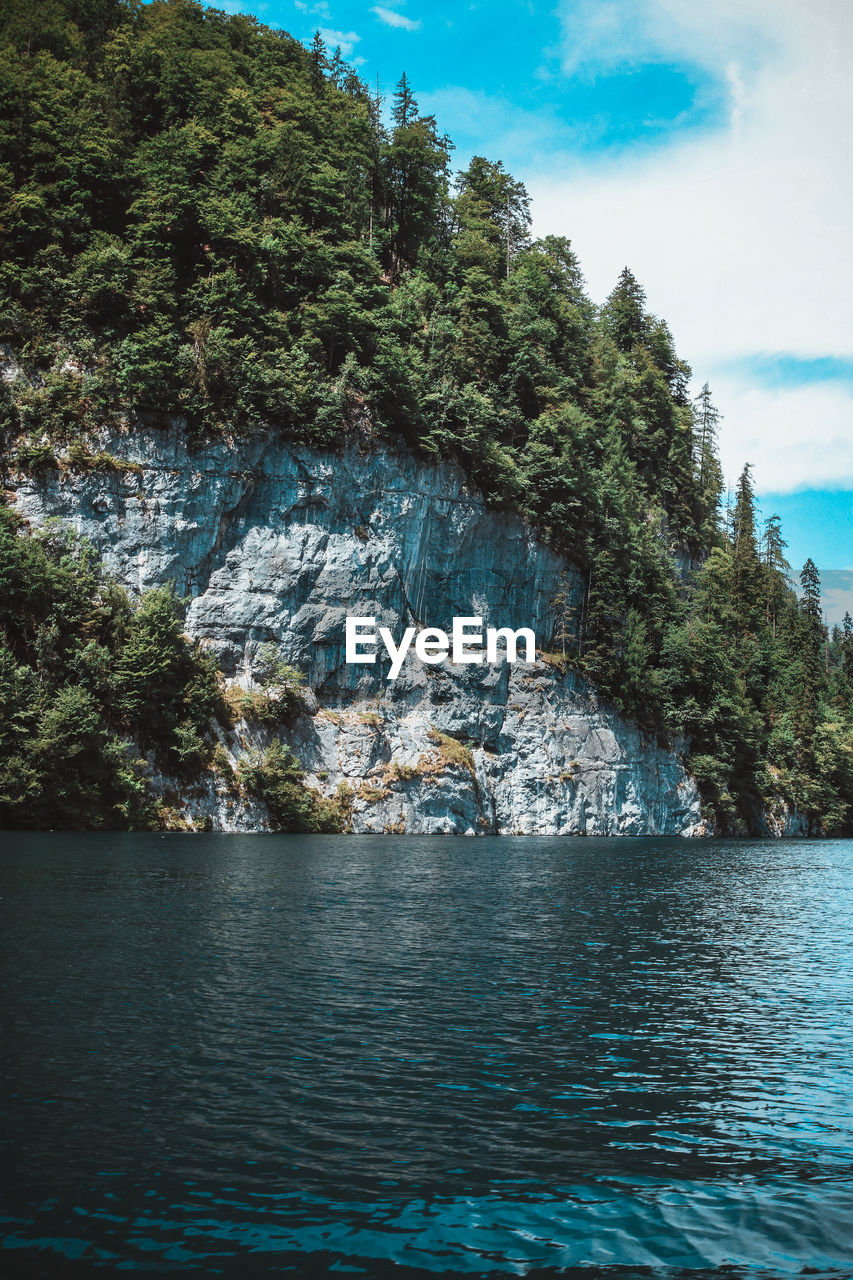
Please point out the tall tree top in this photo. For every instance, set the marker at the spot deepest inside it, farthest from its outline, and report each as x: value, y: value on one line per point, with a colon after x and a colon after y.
x: 774, y: 545
x: 707, y: 412
x: 743, y: 523
x: 319, y: 62
x: 489, y: 197
x: 405, y: 108
x: 810, y: 583
x: 625, y: 311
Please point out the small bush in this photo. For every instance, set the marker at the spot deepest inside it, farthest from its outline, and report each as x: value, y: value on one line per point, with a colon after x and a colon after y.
x: 452, y: 751
x: 276, y: 777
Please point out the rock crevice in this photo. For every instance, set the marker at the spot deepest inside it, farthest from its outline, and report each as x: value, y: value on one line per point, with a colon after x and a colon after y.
x: 278, y: 542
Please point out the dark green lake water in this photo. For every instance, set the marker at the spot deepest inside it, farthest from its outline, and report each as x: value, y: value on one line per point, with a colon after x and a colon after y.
x: 247, y: 1056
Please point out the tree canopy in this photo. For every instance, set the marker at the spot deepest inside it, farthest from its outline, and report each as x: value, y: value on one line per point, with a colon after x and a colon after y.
x: 204, y: 221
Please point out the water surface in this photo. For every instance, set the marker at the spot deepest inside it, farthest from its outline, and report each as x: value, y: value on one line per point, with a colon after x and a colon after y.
x: 248, y: 1056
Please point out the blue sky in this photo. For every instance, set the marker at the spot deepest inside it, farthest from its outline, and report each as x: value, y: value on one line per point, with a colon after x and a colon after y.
x: 493, y: 73
x: 707, y: 146
x: 815, y: 523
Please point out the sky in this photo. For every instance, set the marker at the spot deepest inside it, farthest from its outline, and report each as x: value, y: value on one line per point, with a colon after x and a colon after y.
x: 705, y: 144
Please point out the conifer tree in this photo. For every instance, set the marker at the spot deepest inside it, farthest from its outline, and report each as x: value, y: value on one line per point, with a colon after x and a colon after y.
x: 491, y: 200
x: 773, y: 545
x: 624, y: 312
x: 776, y: 568
x: 810, y: 598
x: 319, y: 63
x: 706, y: 420
x: 337, y: 68
x: 847, y: 647
x: 405, y: 108
x: 746, y: 571
x: 810, y: 674
x: 416, y: 163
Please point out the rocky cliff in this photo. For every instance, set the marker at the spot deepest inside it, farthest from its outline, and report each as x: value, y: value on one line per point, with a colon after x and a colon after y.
x: 277, y: 542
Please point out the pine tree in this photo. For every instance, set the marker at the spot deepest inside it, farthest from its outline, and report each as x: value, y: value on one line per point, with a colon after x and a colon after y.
x: 337, y: 68
x: 707, y: 421
x: 492, y: 202
x: 568, y: 612
x: 405, y: 108
x: 705, y: 425
x: 624, y: 312
x: 319, y: 63
x: 746, y: 570
x: 776, y: 568
x: 810, y: 598
x: 847, y: 647
x: 773, y: 545
x: 379, y: 138
x: 809, y: 671
x: 416, y: 164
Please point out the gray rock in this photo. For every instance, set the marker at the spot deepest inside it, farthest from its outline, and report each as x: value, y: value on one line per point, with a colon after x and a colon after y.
x: 277, y: 542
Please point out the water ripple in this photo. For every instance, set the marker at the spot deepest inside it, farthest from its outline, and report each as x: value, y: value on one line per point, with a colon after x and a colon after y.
x: 223, y: 1054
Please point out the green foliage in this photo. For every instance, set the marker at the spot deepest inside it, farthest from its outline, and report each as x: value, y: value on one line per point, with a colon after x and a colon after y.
x: 494, y: 215
x: 745, y: 586
x: 752, y: 679
x: 166, y: 690
x: 200, y: 218
x: 452, y: 752
x: 276, y: 777
x: 624, y: 313
x: 278, y: 696
x: 86, y: 679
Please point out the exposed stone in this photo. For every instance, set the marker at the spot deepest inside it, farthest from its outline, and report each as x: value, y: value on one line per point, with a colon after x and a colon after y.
x: 278, y: 542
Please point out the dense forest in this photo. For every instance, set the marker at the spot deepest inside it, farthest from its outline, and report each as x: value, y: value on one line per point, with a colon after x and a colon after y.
x: 202, y: 219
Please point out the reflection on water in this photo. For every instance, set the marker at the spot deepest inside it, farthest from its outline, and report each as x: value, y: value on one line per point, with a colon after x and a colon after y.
x: 229, y: 1055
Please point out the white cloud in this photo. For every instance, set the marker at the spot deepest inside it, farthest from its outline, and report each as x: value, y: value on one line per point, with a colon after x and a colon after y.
x: 345, y: 40
x: 320, y: 10
x: 737, y: 97
x: 603, y: 34
x: 511, y: 130
x: 394, y: 19
x: 794, y: 438
x: 239, y: 6
x: 740, y: 237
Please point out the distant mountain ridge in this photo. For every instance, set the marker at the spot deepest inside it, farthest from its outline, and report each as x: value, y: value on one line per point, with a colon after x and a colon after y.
x: 836, y: 594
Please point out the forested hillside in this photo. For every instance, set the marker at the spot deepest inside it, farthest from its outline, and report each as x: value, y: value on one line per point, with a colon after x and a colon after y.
x: 202, y: 219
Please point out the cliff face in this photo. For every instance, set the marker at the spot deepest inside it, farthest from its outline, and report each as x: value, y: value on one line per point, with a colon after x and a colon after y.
x: 278, y: 542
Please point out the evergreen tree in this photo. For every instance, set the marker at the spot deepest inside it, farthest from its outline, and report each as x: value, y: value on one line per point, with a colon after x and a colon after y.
x: 706, y: 426
x: 624, y: 312
x: 203, y: 219
x: 847, y: 648
x: 405, y: 109
x: 746, y: 576
x: 319, y: 63
x: 494, y: 204
x: 776, y: 568
x: 773, y: 546
x: 810, y: 671
x: 416, y: 166
x: 810, y: 607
